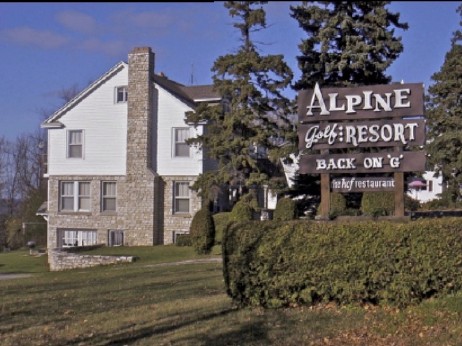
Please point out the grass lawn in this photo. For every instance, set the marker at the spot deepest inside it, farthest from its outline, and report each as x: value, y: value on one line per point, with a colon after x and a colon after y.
x: 143, y: 303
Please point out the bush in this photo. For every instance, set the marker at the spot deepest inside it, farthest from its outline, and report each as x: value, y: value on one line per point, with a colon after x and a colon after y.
x: 410, y: 203
x: 221, y: 221
x: 202, y: 231
x: 285, y: 210
x: 378, y: 203
x: 242, y: 211
x: 275, y: 264
x: 338, y: 204
x: 183, y: 240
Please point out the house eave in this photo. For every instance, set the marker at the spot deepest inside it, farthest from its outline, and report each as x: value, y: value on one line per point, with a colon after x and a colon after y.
x: 52, y: 125
x: 69, y: 105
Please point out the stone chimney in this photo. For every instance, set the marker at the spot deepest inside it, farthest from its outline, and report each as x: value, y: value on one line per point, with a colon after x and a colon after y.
x: 140, y: 112
x: 143, y: 195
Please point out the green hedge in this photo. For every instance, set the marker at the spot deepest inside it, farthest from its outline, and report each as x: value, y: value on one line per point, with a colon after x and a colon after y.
x: 378, y: 203
x: 285, y: 210
x: 275, y: 264
x: 338, y: 204
x: 241, y: 211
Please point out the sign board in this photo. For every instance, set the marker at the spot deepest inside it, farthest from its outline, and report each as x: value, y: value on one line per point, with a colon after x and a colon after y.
x: 381, y: 133
x: 366, y: 102
x: 385, y: 162
x: 386, y: 119
x: 362, y: 184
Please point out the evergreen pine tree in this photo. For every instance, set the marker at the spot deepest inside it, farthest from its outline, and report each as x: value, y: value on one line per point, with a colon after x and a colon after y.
x: 254, y: 114
x: 444, y: 114
x: 349, y: 43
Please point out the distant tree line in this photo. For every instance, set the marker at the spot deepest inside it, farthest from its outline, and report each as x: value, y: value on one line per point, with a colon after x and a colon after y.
x: 23, y: 188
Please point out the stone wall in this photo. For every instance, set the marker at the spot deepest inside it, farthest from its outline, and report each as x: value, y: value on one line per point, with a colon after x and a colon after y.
x: 95, y: 219
x: 177, y: 223
x: 60, y: 259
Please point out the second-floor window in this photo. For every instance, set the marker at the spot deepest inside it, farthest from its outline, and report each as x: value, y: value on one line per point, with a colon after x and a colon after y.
x: 75, y: 196
x: 181, y: 148
x: 121, y: 94
x: 75, y: 144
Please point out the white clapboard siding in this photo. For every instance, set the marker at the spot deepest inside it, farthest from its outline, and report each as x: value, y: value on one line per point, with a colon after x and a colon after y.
x: 105, y: 133
x: 171, y: 115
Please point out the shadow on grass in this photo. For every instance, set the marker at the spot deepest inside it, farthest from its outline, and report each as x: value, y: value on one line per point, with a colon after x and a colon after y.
x: 250, y: 334
x: 129, y: 337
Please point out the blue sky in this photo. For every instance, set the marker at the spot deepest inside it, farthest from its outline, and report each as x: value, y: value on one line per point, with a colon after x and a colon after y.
x: 47, y: 47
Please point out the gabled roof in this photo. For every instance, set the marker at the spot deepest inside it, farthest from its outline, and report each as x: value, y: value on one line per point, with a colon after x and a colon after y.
x: 188, y: 94
x: 52, y: 122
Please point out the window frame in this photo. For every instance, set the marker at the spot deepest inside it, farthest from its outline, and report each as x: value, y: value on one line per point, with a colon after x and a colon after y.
x: 76, y: 196
x: 105, y: 197
x: 75, y: 237
x: 69, y: 144
x: 177, y: 198
x: 175, y: 142
x: 115, y: 237
x: 124, y: 93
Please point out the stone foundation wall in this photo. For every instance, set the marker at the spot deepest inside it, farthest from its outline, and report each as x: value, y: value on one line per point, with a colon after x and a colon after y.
x: 62, y: 260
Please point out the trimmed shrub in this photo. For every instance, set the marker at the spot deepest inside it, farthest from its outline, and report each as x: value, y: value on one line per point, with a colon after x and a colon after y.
x: 183, y: 240
x: 378, y: 203
x: 338, y: 204
x: 221, y: 221
x: 202, y: 231
x: 241, y: 211
x: 285, y: 210
x: 276, y: 264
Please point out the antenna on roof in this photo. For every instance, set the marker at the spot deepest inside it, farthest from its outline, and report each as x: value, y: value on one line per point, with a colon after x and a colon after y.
x: 192, y: 75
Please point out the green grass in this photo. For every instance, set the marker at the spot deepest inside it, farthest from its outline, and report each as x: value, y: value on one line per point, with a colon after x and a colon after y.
x: 143, y: 303
x: 22, y: 262
x: 150, y: 254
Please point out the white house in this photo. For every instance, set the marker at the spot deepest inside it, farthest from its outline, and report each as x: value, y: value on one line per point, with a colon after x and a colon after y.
x: 428, y: 188
x: 119, y: 169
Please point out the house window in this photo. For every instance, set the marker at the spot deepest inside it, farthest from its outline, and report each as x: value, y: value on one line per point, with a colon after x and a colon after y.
x: 181, y: 197
x: 75, y: 196
x: 108, y: 195
x: 67, y: 196
x: 71, y: 238
x: 115, y: 238
x: 430, y: 185
x: 75, y: 144
x: 177, y: 234
x: 84, y: 196
x: 121, y: 94
x: 181, y: 148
